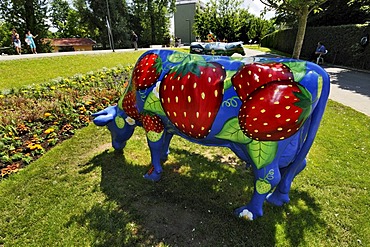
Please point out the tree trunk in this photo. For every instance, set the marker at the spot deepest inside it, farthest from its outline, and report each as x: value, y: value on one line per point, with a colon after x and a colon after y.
x: 302, y: 23
x: 152, y: 24
x: 29, y: 15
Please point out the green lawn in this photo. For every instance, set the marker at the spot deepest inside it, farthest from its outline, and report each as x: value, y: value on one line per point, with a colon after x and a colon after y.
x: 82, y: 193
x: 16, y: 73
x: 267, y: 50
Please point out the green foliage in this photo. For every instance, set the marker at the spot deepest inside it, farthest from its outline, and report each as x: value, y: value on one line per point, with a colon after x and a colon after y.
x: 150, y: 20
x: 67, y: 21
x: 341, y: 12
x: 299, y: 9
x: 27, y: 15
x: 227, y: 20
x: 51, y: 112
x: 5, y: 35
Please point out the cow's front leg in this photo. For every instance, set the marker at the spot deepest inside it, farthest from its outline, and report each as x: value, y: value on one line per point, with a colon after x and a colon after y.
x: 156, y: 138
x: 265, y: 180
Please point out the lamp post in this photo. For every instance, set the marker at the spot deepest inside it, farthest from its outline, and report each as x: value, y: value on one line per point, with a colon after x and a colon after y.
x: 189, y: 30
x: 110, y: 35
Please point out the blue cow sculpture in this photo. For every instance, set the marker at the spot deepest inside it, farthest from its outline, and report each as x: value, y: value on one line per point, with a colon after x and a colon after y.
x: 266, y: 111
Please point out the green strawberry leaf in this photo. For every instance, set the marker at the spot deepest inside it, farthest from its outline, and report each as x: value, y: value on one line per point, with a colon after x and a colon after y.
x: 298, y: 69
x: 152, y: 104
x: 231, y: 131
x: 189, y: 67
x: 305, y: 102
x: 262, y: 153
x: 158, y: 65
x: 180, y: 57
x: 196, y: 57
x: 177, y: 57
x: 227, y: 82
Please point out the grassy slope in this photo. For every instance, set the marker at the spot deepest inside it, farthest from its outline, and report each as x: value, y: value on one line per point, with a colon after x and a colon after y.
x: 82, y: 193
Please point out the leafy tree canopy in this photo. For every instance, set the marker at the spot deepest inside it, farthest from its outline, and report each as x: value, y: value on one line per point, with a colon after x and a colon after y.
x: 225, y: 19
x: 298, y: 8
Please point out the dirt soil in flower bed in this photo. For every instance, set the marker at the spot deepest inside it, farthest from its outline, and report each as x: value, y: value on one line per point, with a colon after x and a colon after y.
x: 35, y: 118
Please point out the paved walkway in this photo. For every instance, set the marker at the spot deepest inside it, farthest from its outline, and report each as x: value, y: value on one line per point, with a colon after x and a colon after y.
x: 349, y: 87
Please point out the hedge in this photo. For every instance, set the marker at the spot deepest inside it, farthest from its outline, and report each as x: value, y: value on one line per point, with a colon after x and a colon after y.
x: 342, y: 43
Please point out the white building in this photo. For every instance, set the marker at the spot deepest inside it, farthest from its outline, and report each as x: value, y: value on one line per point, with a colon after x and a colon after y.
x: 184, y: 20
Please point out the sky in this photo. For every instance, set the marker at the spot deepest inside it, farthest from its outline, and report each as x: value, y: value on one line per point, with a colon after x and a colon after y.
x: 255, y: 7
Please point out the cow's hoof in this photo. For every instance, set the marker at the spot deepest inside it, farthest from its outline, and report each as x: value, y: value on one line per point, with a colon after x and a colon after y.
x: 278, y: 199
x: 153, y: 175
x: 245, y: 214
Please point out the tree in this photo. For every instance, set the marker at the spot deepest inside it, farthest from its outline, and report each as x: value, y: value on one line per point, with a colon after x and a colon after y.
x: 94, y: 13
x: 341, y: 12
x: 150, y: 19
x: 26, y: 15
x: 301, y: 9
x: 67, y: 21
x: 5, y: 38
x: 221, y: 18
x: 227, y: 20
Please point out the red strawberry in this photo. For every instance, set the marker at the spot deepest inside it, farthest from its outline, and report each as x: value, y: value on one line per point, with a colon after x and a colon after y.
x: 275, y: 111
x: 252, y: 76
x: 152, y: 123
x: 147, y: 70
x: 128, y: 104
x: 191, y: 95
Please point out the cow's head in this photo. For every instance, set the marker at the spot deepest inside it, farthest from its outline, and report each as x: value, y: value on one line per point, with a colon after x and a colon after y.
x: 119, y: 124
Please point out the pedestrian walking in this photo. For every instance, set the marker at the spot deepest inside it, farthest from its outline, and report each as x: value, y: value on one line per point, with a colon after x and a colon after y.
x: 134, y: 39
x: 30, y: 42
x: 16, y: 42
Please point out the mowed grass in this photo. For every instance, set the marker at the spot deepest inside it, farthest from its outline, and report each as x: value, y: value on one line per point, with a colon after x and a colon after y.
x: 82, y: 193
x: 16, y: 73
x: 267, y: 50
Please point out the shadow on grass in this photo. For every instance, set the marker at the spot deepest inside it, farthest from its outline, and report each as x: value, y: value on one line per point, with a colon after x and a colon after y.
x: 191, y: 206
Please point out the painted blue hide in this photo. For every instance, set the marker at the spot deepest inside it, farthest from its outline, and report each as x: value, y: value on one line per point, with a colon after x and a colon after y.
x: 274, y: 176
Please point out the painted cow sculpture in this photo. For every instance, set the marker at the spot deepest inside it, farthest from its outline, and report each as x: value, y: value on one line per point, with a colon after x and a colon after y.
x: 266, y: 111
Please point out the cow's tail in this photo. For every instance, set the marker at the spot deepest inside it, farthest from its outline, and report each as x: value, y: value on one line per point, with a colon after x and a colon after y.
x: 316, y: 117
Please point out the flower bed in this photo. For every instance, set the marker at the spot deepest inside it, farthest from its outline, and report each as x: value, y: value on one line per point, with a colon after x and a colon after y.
x: 35, y: 118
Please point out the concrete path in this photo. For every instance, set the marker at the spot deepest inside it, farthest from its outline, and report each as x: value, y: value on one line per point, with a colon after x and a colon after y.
x: 349, y: 87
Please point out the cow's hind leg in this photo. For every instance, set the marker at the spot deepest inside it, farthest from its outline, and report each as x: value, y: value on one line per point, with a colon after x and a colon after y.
x: 165, y: 148
x: 265, y: 179
x: 281, y: 193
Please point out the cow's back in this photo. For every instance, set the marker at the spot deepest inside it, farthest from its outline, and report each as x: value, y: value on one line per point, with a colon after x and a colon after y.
x: 224, y: 127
